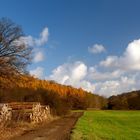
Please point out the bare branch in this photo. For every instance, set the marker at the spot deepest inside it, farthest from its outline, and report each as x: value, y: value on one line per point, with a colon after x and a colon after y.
x: 14, y: 57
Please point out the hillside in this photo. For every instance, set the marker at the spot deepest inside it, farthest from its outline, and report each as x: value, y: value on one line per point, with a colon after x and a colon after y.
x: 60, y: 97
x: 130, y: 100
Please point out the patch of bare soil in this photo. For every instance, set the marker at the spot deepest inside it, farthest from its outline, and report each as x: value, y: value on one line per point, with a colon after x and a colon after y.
x: 57, y: 130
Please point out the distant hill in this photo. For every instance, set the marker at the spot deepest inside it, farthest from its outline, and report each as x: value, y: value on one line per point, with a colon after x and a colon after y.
x: 130, y: 100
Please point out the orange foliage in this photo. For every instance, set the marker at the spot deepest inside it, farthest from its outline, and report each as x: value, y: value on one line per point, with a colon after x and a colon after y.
x: 27, y: 88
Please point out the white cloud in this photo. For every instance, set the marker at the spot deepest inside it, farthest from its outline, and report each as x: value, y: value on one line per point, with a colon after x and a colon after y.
x: 72, y: 74
x: 36, y: 43
x: 107, y: 88
x: 86, y: 85
x: 110, y: 61
x: 110, y: 83
x: 94, y: 74
x: 114, y: 87
x: 130, y: 60
x: 39, y: 56
x: 69, y: 72
x: 43, y: 37
x: 78, y: 75
x: 31, y: 41
x: 97, y: 48
x: 38, y: 72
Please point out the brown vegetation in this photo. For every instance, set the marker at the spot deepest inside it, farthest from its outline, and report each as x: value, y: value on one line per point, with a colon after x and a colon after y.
x: 125, y: 101
x: 59, y: 97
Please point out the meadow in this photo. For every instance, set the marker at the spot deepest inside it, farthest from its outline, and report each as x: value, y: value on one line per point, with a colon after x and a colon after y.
x: 108, y: 125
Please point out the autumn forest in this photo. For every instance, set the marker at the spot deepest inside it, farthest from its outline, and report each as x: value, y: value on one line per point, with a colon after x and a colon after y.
x: 16, y: 84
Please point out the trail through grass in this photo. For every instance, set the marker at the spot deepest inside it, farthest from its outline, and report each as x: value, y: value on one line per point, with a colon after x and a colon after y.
x: 108, y: 125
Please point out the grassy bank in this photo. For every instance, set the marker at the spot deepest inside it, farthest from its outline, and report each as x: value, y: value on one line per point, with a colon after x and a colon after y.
x: 108, y: 125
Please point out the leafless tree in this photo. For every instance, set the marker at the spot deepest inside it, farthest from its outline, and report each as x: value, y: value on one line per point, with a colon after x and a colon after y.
x: 14, y: 56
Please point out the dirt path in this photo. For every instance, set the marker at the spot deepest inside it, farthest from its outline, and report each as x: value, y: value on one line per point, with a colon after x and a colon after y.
x: 57, y: 130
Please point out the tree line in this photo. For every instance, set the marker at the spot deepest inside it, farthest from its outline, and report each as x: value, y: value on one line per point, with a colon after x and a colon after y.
x: 59, y: 97
x: 125, y: 101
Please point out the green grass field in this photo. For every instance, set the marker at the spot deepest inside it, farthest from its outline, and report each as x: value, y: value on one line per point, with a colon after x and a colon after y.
x: 108, y: 125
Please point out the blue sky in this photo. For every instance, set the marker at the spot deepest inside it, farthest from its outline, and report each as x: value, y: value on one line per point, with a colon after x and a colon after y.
x: 75, y: 27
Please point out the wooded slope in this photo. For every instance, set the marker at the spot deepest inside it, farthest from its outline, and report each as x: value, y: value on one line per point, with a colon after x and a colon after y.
x: 60, y: 97
x: 130, y: 100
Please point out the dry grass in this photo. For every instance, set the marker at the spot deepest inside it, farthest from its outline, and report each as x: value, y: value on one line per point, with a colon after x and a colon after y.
x: 14, y: 129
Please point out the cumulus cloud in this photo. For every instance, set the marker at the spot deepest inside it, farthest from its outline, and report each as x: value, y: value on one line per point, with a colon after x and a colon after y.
x: 38, y: 72
x: 69, y: 72
x: 43, y: 37
x: 114, y: 87
x: 110, y: 61
x: 31, y: 41
x: 96, y: 48
x: 39, y: 56
x: 72, y: 74
x: 110, y: 83
x: 35, y: 43
x: 78, y: 75
x: 130, y: 60
x: 94, y: 74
